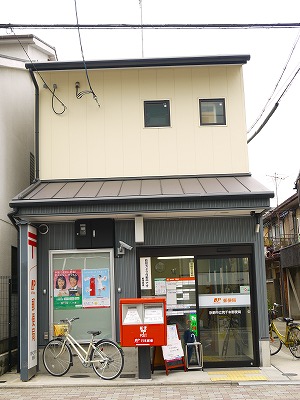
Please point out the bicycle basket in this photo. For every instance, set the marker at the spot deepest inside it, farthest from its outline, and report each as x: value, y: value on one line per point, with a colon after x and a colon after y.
x: 60, y: 329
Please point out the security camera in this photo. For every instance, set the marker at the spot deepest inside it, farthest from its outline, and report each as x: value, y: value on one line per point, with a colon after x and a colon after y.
x: 125, y: 245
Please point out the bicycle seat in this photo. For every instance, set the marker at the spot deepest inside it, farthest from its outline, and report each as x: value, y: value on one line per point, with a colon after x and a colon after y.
x: 94, y: 333
x: 288, y: 320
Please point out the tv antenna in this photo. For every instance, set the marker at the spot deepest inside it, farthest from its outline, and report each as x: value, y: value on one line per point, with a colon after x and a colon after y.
x: 277, y: 180
x: 142, y: 31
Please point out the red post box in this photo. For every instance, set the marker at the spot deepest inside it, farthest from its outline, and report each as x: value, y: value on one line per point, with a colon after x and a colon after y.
x: 143, y: 322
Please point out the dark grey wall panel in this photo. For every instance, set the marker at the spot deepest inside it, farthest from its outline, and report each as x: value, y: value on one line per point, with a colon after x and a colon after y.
x: 59, y: 237
x: 137, y: 207
x: 199, y: 231
x: 160, y: 232
x: 204, y: 231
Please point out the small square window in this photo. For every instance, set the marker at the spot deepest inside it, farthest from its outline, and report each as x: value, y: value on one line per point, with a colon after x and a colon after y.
x: 212, y: 112
x: 157, y: 113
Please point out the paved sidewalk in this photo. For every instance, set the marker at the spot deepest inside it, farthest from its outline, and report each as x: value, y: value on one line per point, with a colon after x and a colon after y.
x: 286, y: 373
x: 285, y: 370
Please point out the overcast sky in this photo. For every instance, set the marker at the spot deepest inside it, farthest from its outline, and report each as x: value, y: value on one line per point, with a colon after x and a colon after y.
x: 275, y: 150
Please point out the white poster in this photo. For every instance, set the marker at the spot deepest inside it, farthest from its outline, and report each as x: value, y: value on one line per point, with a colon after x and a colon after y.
x: 153, y: 315
x: 132, y: 316
x: 173, y: 350
x: 145, y: 269
x: 32, y: 296
x: 160, y: 287
x: 171, y: 293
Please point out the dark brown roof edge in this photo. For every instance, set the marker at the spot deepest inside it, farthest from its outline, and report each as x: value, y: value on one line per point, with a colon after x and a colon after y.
x: 140, y: 63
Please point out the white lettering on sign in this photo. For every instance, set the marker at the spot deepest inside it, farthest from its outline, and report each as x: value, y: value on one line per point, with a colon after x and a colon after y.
x: 32, y: 295
x: 143, y: 330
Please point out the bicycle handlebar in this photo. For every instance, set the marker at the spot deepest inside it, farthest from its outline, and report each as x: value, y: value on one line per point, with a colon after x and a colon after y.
x: 69, y: 321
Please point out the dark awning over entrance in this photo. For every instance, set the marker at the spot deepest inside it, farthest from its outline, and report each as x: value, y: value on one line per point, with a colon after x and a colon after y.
x: 184, y: 196
x: 140, y: 189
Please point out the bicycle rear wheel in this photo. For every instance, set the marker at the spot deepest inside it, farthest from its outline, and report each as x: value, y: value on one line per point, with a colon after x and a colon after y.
x: 294, y: 342
x: 275, y: 343
x: 57, y: 357
x: 107, y: 359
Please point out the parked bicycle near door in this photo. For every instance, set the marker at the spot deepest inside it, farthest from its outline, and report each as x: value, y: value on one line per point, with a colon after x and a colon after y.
x: 104, y: 356
x: 291, y: 337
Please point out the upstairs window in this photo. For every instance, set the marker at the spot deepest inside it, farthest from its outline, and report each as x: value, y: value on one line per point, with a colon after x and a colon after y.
x: 212, y: 112
x: 157, y: 113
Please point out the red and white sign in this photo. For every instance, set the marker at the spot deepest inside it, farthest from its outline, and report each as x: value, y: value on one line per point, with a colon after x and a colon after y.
x: 32, y: 295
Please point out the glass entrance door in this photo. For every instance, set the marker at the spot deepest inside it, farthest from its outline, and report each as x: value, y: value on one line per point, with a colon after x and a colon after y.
x: 224, y: 310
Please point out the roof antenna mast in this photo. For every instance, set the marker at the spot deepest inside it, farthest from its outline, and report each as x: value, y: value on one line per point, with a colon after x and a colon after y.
x: 142, y: 31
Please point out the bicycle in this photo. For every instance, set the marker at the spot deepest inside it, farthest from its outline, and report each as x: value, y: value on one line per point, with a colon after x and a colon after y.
x: 291, y: 337
x: 105, y: 356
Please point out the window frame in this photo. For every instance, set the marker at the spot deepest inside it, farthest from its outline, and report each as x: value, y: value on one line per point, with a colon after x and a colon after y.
x: 213, y: 101
x: 148, y: 102
x: 55, y: 315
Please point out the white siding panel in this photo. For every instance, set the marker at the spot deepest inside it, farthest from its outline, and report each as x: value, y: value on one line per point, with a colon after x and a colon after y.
x: 88, y: 142
x: 112, y: 104
x: 95, y: 125
x: 185, y: 122
x: 132, y: 120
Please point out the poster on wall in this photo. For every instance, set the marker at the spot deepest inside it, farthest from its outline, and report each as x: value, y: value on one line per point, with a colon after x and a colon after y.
x: 96, y: 288
x: 67, y: 289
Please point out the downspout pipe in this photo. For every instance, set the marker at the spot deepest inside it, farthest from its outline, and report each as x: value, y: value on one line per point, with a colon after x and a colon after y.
x: 11, y: 215
x: 36, y: 125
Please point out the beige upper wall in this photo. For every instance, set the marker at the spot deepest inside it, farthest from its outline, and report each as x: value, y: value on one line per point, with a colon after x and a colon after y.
x: 111, y: 141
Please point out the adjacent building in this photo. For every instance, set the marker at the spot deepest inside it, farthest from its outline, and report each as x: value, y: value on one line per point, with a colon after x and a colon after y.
x: 17, y: 163
x: 282, y: 254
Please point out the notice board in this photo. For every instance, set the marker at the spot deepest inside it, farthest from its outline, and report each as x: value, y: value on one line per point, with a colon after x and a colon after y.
x: 172, y: 353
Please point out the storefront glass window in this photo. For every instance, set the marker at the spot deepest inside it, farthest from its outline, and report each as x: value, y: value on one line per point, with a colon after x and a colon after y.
x: 172, y: 277
x: 225, y: 309
x: 81, y: 285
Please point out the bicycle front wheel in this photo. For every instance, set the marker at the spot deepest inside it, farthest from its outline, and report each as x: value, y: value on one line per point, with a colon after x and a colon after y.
x: 57, y: 357
x: 275, y: 343
x: 107, y: 359
x: 294, y: 342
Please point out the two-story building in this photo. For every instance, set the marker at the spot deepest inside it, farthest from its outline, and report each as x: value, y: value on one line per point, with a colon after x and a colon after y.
x: 149, y: 194
x: 17, y: 168
x: 282, y: 255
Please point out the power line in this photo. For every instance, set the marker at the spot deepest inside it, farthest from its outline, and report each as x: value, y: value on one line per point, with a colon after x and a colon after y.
x: 274, y: 107
x: 45, y: 84
x: 274, y: 90
x: 85, y: 67
x: 287, y: 25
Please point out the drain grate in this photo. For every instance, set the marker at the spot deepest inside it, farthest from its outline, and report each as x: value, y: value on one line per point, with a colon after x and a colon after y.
x: 2, y: 381
x: 289, y: 374
x: 127, y: 376
x: 79, y: 376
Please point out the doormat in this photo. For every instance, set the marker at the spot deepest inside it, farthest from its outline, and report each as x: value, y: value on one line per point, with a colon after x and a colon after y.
x: 241, y: 375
